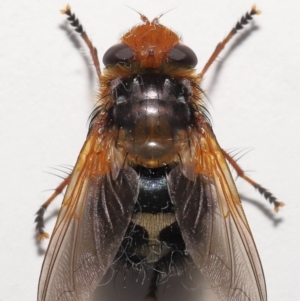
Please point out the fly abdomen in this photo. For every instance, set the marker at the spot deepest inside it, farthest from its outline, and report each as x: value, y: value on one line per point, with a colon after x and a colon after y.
x: 153, y: 238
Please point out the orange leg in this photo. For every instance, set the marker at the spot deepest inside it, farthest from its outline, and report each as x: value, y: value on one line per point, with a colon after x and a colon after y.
x: 40, y: 225
x: 263, y: 191
x: 78, y: 27
x: 239, y: 25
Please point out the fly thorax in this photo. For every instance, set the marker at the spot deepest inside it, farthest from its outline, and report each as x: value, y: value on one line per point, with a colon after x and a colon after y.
x: 152, y: 118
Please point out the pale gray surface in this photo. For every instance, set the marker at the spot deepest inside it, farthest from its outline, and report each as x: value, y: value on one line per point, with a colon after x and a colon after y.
x: 46, y: 90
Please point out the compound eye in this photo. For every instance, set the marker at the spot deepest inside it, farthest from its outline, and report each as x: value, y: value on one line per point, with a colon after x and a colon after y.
x: 183, y: 55
x: 117, y: 54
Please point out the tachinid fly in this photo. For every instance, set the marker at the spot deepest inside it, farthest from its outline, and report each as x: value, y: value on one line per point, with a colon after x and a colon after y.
x: 151, y: 188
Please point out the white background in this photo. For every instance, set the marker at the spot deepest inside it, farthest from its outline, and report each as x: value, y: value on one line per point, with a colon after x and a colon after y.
x: 47, y: 86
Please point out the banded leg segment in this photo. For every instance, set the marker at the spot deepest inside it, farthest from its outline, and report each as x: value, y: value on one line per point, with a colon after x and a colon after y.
x: 263, y: 191
x: 78, y: 27
x: 40, y: 224
x: 239, y: 25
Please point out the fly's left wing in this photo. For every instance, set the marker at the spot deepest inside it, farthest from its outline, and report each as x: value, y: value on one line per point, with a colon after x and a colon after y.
x: 213, y: 224
x: 92, y: 222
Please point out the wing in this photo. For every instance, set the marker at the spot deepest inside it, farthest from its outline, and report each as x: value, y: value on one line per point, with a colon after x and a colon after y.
x: 92, y: 221
x: 213, y: 224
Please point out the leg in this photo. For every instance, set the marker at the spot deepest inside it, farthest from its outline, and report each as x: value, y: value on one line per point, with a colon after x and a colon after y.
x: 78, y: 27
x: 263, y: 191
x: 239, y: 25
x: 40, y: 214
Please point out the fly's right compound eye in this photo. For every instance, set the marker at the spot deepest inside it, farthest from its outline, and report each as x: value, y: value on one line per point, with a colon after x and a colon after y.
x: 183, y: 55
x: 118, y: 53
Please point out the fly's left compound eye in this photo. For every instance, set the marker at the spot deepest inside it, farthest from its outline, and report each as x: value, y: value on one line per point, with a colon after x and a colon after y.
x: 117, y: 54
x: 183, y: 55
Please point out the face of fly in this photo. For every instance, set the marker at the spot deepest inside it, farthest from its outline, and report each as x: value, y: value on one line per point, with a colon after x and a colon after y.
x: 151, y: 188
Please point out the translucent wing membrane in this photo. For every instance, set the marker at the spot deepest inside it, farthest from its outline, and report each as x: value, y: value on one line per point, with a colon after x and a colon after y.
x: 214, y: 227
x: 91, y: 225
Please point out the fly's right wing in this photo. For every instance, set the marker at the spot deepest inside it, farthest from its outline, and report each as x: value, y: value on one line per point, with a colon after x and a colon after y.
x: 92, y: 222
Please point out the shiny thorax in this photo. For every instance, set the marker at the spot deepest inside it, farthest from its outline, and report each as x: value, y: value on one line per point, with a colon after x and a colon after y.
x: 152, y: 117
